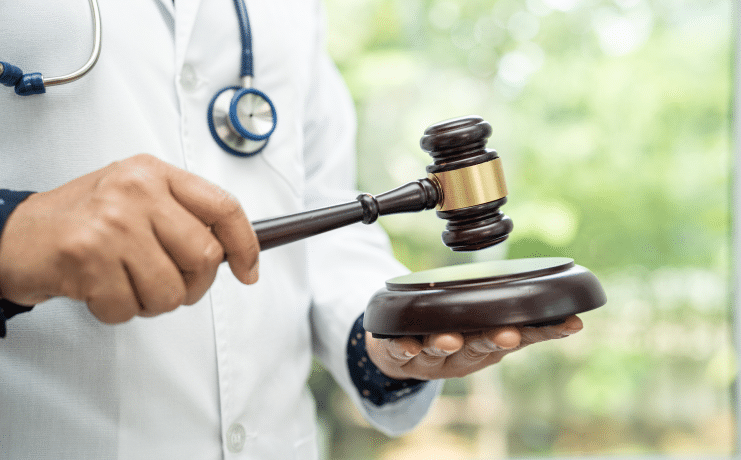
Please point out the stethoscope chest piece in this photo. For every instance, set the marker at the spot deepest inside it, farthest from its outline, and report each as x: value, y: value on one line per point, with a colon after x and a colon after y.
x: 241, y: 120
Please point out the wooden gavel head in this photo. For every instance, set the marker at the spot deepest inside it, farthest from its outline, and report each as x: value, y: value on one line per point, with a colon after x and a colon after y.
x: 470, y: 182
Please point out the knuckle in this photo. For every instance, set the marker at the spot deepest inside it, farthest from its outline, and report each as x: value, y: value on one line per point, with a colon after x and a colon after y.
x: 228, y: 204
x: 144, y: 158
x: 133, y: 181
x: 429, y: 360
x: 108, y: 313
x: 98, y: 237
x: 201, y: 271
x: 471, y: 354
x: 82, y: 246
x: 167, y: 301
x: 211, y: 257
x: 133, y: 176
x: 143, y: 161
x: 194, y: 296
x: 113, y: 218
x: 174, y: 297
x: 164, y: 295
x: 196, y: 286
x: 393, y: 356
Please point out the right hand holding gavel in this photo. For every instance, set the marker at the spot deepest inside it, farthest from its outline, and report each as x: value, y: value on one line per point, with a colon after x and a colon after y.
x: 138, y: 237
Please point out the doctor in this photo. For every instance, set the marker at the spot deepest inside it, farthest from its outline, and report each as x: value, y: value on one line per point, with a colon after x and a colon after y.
x: 114, y: 240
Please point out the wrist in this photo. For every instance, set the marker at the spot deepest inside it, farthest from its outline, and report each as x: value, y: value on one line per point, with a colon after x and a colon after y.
x: 373, y: 384
x: 11, y: 202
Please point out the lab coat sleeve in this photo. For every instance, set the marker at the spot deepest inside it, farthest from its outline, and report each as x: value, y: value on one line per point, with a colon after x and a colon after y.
x: 9, y: 199
x: 346, y: 266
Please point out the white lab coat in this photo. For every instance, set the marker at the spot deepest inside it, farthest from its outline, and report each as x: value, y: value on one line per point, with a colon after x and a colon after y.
x: 225, y: 378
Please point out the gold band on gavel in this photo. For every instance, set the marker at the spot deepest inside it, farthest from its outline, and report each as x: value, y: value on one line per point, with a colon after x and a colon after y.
x: 470, y: 186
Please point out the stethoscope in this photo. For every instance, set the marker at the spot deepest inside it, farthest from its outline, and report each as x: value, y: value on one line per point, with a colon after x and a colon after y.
x: 240, y: 118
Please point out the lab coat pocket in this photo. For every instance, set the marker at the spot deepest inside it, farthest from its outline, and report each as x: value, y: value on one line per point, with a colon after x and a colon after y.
x: 306, y: 449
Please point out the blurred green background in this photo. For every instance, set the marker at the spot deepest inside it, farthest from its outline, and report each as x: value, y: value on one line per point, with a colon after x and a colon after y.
x: 612, y: 120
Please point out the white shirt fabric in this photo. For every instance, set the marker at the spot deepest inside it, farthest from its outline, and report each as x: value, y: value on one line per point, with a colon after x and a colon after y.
x: 225, y: 378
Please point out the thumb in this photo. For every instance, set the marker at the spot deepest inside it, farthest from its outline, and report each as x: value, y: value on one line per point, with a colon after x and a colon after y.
x: 396, y: 352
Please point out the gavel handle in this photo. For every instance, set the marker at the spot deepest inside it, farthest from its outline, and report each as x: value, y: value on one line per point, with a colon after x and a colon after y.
x: 412, y: 197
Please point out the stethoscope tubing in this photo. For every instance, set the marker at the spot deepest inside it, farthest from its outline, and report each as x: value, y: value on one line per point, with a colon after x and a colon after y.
x: 228, y: 130
x: 94, y: 55
x: 247, y: 68
x: 27, y: 84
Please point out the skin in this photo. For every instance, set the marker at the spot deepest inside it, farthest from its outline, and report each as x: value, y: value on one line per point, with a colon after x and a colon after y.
x: 138, y: 237
x: 141, y: 238
x: 450, y: 355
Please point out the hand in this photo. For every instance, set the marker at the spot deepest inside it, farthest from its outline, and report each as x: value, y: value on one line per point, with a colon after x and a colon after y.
x: 450, y: 355
x: 138, y: 237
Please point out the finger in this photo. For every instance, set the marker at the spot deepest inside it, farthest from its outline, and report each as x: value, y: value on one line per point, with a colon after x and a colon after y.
x: 480, y: 346
x: 191, y: 245
x: 437, y: 348
x: 444, y: 343
x: 223, y: 213
x: 531, y: 335
x: 156, y: 281
x: 495, y: 340
x: 402, y: 349
x: 111, y: 297
x: 572, y: 325
x: 504, y: 338
x: 391, y: 356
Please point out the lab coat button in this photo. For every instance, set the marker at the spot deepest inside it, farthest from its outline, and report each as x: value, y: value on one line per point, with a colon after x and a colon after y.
x: 188, y: 78
x: 235, y: 438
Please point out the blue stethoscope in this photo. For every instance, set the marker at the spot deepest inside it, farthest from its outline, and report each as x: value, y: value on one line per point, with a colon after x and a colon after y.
x: 240, y: 118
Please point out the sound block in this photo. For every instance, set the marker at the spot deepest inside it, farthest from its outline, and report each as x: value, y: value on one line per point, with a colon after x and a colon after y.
x: 481, y: 296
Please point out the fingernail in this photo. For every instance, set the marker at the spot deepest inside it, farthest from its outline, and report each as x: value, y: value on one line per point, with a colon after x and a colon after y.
x: 409, y: 355
x: 568, y: 332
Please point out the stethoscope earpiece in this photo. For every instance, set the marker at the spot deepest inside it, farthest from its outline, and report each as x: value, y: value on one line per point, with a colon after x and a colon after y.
x: 34, y: 83
x: 241, y: 120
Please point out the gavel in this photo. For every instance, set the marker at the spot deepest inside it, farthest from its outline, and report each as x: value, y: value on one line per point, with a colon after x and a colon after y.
x: 465, y: 184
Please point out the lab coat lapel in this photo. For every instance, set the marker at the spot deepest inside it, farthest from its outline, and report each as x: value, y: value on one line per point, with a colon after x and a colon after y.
x: 167, y: 5
x: 186, y: 12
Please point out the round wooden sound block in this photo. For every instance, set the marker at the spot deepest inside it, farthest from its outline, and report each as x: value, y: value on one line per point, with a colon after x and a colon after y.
x: 482, y: 296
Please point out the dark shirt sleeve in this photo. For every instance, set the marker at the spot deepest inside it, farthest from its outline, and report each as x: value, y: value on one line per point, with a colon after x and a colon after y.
x: 9, y: 199
x: 372, y: 384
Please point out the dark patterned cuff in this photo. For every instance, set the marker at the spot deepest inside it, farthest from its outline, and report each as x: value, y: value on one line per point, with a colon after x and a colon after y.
x: 9, y: 199
x: 372, y: 384
x: 8, y: 310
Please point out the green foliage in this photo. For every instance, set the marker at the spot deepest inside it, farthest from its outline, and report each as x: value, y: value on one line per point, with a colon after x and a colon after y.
x: 612, y: 121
